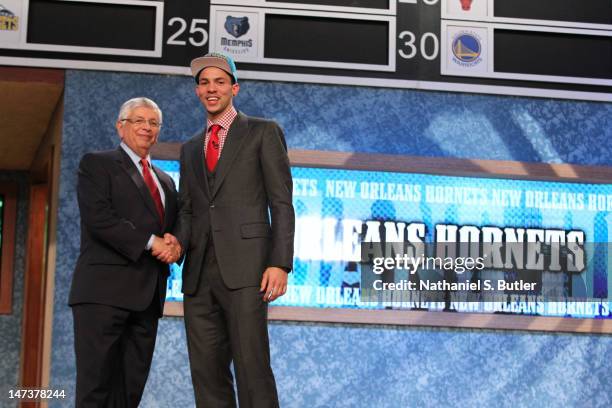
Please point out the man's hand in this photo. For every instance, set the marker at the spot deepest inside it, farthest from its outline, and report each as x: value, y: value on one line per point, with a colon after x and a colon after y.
x: 166, y: 249
x: 273, y: 283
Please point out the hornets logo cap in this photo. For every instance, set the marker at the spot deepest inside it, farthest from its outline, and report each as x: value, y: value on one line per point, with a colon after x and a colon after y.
x: 214, y: 59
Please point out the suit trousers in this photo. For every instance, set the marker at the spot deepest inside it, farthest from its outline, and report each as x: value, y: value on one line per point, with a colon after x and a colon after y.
x: 225, y: 325
x: 114, y: 348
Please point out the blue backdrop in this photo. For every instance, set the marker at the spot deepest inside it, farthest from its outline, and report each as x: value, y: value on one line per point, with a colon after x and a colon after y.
x: 324, y: 365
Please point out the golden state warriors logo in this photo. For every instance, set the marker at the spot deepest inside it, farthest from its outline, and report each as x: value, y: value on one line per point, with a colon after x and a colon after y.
x: 8, y: 20
x: 467, y: 49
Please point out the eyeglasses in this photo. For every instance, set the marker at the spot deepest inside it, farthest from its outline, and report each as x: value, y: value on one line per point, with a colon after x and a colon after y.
x: 140, y: 122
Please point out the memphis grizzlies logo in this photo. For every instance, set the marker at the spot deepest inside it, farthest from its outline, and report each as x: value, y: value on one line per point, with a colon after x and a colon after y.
x: 237, y: 26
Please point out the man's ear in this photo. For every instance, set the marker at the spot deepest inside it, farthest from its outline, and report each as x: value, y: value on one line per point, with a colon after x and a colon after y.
x: 235, y: 89
x: 119, y: 127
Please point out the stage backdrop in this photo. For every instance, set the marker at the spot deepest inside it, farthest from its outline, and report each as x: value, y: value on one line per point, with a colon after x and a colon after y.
x: 552, y: 236
x: 337, y: 365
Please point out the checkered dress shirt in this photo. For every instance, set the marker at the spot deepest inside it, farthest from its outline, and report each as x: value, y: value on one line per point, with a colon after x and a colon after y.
x: 225, y: 121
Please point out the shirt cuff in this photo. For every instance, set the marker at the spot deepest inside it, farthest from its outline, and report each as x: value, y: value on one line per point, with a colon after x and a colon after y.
x: 150, y: 243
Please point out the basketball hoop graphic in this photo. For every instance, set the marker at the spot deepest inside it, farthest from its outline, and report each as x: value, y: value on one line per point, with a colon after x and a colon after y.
x: 466, y: 5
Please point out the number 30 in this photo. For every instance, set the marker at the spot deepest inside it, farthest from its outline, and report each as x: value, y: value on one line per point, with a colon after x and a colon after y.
x: 411, y: 50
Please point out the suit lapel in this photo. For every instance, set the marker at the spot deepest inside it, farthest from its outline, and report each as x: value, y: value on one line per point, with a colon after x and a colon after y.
x: 237, y: 131
x: 130, y: 168
x: 198, y: 162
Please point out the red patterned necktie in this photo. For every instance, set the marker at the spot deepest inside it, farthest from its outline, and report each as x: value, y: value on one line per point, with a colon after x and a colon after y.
x: 212, y: 149
x: 148, y: 179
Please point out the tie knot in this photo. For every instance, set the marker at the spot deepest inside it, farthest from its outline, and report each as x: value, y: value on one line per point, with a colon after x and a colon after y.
x: 214, y: 129
x: 144, y: 163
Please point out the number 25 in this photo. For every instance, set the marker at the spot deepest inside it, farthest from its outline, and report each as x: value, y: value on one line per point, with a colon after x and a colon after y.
x: 193, y: 29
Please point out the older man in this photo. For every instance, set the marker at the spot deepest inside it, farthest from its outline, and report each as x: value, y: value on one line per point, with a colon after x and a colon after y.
x: 118, y: 289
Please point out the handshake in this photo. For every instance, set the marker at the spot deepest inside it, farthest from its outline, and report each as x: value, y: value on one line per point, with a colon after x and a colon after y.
x: 166, y: 249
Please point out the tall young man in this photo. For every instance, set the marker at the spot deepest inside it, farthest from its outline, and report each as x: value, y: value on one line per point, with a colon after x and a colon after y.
x: 236, y: 225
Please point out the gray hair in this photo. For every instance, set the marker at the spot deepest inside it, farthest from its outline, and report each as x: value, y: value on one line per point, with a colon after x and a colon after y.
x: 134, y: 103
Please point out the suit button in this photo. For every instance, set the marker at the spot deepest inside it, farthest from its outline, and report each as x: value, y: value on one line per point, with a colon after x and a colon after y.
x: 212, y: 205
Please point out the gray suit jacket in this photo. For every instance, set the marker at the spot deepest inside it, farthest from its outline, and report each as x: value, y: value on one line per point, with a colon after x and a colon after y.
x: 249, y: 212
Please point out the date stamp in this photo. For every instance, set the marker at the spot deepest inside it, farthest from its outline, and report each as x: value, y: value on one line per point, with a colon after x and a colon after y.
x: 26, y: 394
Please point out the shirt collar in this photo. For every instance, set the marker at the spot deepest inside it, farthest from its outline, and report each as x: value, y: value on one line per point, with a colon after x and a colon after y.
x: 135, y: 158
x: 224, y: 120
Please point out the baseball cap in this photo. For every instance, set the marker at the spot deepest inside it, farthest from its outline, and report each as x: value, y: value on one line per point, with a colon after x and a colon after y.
x: 214, y: 59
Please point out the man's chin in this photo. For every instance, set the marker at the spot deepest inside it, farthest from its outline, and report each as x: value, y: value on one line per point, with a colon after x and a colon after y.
x: 216, y: 108
x: 213, y: 112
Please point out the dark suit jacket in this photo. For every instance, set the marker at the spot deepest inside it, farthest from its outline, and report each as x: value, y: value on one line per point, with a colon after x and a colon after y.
x: 118, y: 217
x: 249, y: 211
